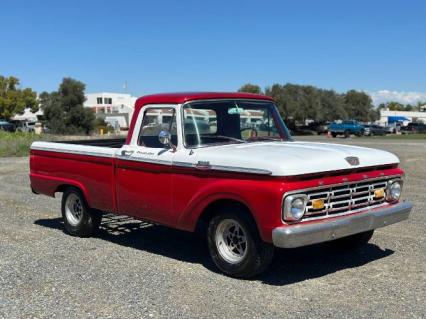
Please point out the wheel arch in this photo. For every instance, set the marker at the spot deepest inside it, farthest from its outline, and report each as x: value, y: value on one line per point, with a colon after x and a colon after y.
x: 64, y: 186
x: 216, y: 206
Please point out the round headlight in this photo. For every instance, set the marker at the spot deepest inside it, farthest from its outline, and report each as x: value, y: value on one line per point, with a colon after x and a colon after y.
x: 294, y: 207
x: 298, y: 208
x: 394, y: 191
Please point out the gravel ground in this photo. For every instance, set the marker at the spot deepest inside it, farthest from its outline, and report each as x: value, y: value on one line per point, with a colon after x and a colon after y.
x: 132, y: 269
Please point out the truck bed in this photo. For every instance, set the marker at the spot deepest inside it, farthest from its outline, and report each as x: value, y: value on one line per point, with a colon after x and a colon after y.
x: 85, y: 164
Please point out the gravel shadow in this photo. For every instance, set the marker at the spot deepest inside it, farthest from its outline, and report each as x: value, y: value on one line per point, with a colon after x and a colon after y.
x: 289, y: 265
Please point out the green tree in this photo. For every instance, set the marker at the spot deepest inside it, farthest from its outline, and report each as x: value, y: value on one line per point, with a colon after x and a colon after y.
x: 395, y: 106
x: 250, y: 88
x: 14, y: 100
x: 332, y: 106
x: 63, y: 109
x: 277, y: 92
x: 296, y: 102
x: 358, y: 105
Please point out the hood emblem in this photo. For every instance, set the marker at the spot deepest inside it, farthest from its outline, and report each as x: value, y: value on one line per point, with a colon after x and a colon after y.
x: 353, y: 160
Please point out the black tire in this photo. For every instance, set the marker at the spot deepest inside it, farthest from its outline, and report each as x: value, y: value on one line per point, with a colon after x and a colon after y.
x: 347, y: 134
x: 333, y: 134
x: 88, y: 220
x: 354, y: 241
x: 258, y: 254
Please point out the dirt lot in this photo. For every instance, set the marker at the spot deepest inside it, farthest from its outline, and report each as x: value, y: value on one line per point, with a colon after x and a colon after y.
x: 132, y: 269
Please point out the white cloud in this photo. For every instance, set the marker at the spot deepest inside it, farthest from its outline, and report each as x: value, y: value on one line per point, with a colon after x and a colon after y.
x: 384, y: 96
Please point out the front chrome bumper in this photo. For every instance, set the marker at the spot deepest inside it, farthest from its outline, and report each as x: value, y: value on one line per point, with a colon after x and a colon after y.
x: 329, y: 229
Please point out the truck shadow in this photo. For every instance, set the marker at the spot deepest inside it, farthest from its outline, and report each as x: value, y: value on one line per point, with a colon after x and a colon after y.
x: 289, y: 266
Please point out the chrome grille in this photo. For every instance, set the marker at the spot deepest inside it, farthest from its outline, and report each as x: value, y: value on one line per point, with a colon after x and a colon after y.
x: 344, y: 198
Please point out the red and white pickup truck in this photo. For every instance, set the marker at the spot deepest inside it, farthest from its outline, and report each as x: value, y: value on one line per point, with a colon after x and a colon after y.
x: 224, y: 163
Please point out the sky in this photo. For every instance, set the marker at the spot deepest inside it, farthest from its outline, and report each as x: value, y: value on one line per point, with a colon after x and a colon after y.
x: 168, y: 46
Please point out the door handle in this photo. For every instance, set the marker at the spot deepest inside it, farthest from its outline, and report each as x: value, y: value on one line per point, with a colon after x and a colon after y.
x: 126, y: 153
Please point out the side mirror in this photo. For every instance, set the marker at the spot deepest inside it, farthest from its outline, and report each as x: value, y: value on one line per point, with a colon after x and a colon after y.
x: 165, y: 138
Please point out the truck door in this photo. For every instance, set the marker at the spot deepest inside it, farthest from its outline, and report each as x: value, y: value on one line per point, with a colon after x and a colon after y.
x: 144, y: 168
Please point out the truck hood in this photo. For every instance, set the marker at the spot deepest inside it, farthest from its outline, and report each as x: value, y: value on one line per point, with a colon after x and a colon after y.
x: 289, y: 158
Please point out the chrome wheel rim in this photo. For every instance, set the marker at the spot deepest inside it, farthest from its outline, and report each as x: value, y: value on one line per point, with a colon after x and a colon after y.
x: 73, y: 209
x: 231, y: 241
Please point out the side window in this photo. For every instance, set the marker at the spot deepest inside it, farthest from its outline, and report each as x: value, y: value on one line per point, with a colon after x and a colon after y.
x: 154, y: 121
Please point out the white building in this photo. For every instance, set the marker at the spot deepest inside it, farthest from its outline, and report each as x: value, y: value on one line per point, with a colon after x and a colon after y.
x: 389, y: 117
x: 114, y: 107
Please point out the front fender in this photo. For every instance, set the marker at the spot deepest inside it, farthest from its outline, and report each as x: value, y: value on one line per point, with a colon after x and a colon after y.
x: 261, y: 197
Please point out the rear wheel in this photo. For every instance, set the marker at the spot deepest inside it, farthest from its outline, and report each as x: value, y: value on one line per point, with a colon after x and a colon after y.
x: 235, y: 246
x: 334, y: 134
x: 79, y: 219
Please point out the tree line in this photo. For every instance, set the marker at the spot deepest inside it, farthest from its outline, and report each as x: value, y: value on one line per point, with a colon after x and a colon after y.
x: 64, y: 112
x: 396, y: 106
x: 298, y: 103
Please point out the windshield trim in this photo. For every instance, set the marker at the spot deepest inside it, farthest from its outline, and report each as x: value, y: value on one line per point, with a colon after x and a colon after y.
x: 278, y: 121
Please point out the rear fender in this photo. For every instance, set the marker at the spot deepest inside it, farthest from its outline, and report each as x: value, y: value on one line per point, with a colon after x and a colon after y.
x: 49, y: 185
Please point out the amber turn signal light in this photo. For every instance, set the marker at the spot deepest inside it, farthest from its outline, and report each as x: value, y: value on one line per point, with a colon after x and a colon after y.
x: 379, y: 193
x: 317, y: 204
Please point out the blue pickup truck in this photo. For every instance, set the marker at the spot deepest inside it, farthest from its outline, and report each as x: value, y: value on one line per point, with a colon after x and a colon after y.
x: 346, y: 128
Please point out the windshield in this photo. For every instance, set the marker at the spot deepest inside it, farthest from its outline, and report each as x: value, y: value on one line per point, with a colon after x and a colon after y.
x: 233, y: 121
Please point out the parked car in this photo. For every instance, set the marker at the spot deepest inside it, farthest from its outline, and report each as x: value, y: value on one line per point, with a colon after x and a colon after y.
x: 7, y: 126
x: 24, y: 126
x: 301, y: 130
x: 346, y: 128
x: 414, y: 128
x: 370, y: 130
x: 319, y: 127
x: 392, y: 129
x: 246, y: 195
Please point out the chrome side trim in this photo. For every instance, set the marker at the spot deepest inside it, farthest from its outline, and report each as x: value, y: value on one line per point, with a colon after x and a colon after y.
x: 79, y: 152
x: 305, y: 234
x: 182, y: 164
x: 225, y: 168
x: 241, y: 170
x: 144, y: 160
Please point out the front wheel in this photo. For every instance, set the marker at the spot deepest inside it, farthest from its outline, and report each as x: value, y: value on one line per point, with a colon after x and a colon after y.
x: 79, y: 219
x: 235, y: 246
